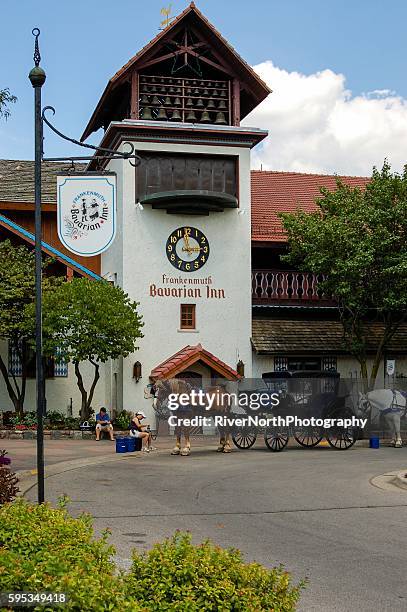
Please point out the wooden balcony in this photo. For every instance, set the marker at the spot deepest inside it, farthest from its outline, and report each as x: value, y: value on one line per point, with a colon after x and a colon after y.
x: 288, y: 288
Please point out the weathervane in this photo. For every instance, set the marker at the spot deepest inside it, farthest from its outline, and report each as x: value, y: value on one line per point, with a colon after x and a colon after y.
x: 166, y: 13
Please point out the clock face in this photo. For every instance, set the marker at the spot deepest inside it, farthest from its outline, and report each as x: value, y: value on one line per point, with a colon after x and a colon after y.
x: 187, y: 249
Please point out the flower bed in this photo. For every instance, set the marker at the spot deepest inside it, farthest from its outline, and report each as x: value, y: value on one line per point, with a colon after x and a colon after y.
x: 52, y: 434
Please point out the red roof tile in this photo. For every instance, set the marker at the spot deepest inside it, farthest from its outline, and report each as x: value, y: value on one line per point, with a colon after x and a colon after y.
x: 276, y: 192
x: 186, y: 357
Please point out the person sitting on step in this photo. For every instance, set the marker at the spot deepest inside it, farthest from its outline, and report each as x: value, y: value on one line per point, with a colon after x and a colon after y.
x: 137, y: 430
x: 103, y: 423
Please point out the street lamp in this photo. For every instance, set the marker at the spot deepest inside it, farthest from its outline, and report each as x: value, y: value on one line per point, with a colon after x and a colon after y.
x: 37, y: 77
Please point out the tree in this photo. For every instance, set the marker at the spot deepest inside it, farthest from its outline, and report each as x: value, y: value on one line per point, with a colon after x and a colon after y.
x: 17, y: 319
x: 358, y: 239
x: 90, y: 321
x: 6, y: 98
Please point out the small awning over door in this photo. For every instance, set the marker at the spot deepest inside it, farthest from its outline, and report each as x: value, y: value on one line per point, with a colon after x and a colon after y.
x: 188, y: 356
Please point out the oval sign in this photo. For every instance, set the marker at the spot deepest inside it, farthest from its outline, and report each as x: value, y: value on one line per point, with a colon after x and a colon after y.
x: 86, y: 207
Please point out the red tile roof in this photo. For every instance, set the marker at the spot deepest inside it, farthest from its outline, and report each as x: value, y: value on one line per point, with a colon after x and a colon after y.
x: 186, y: 357
x: 276, y: 192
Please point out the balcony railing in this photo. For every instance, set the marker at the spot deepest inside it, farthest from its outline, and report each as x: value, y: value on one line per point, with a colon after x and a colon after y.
x: 288, y: 287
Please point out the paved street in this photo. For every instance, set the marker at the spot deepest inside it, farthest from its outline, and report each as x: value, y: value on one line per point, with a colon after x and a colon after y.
x: 315, y: 511
x: 23, y: 453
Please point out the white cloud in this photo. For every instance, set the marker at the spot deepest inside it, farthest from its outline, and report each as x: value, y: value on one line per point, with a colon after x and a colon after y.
x: 317, y: 125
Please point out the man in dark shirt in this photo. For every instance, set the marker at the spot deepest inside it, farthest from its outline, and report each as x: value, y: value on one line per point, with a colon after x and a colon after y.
x: 103, y: 423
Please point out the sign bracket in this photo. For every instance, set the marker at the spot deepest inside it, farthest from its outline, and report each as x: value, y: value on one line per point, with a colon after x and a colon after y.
x: 133, y: 158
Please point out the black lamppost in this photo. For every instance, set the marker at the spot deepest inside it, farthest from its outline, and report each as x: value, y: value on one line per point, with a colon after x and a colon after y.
x: 101, y: 154
x: 37, y: 77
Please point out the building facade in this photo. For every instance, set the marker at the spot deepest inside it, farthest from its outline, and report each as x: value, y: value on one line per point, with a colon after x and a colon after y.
x: 198, y: 239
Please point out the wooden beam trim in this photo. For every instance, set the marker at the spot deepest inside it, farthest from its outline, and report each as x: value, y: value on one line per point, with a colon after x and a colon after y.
x: 134, y: 95
x: 226, y: 67
x: 236, y: 102
x: 44, y: 249
x: 26, y: 206
x: 156, y: 60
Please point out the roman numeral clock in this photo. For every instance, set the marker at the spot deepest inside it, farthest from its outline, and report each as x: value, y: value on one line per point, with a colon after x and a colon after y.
x: 187, y: 249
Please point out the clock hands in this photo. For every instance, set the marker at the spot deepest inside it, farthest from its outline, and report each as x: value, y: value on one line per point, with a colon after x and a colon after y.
x: 192, y: 249
x: 188, y: 248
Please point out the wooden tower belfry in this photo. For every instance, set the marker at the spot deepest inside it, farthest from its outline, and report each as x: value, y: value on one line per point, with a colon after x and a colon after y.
x: 187, y: 74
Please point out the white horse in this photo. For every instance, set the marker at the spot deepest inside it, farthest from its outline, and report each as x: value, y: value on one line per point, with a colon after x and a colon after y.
x: 388, y: 403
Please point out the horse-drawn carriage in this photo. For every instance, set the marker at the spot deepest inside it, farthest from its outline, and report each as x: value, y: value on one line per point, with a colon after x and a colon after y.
x: 302, y: 394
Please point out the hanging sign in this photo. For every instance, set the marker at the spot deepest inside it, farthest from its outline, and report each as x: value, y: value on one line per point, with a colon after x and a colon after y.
x: 390, y: 367
x: 86, y: 207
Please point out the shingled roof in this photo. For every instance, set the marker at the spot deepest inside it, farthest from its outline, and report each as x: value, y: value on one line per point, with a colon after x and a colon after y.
x: 186, y: 357
x: 289, y: 336
x: 17, y: 180
x: 277, y: 192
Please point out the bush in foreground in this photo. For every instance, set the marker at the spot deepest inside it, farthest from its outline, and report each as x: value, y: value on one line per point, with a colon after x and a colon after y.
x: 178, y: 576
x: 45, y: 549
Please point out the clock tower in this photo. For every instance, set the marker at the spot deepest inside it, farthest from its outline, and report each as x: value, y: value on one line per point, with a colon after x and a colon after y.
x: 183, y: 242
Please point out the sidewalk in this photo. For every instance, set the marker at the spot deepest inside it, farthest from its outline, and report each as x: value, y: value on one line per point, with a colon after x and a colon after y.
x: 23, y: 453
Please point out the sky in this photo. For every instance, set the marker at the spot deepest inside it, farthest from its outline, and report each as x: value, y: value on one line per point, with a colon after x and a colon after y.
x: 337, y: 71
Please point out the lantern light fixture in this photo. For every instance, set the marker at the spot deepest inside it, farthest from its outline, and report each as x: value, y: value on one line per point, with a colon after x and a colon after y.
x: 240, y: 368
x: 137, y: 372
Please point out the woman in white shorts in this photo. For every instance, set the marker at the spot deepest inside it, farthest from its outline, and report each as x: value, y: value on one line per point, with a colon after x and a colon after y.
x: 137, y: 431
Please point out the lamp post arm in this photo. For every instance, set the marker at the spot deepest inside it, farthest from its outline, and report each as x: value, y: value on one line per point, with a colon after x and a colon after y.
x: 123, y: 154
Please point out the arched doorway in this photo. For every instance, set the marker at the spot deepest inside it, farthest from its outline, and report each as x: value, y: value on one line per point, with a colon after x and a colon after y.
x: 195, y: 380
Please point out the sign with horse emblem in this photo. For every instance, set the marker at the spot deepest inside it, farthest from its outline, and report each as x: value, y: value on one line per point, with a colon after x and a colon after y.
x: 86, y: 207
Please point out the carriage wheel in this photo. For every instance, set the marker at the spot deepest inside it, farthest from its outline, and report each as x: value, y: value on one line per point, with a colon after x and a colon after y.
x: 276, y: 441
x: 341, y: 439
x: 308, y: 438
x: 244, y: 439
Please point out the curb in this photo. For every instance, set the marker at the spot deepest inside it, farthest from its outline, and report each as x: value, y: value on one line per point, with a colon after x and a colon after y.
x: 28, y: 478
x: 400, y: 479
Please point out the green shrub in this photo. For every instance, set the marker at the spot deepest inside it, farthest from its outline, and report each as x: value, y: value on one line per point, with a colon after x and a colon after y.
x: 72, y: 423
x: 53, y: 417
x: 122, y: 421
x: 45, y: 549
x: 29, y: 419
x: 178, y: 576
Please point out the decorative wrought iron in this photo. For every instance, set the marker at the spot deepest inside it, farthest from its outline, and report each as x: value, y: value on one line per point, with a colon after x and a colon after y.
x: 110, y: 153
x: 37, y: 56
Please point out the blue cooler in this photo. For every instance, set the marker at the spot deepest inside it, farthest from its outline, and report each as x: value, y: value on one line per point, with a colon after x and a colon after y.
x: 374, y: 442
x: 121, y: 445
x: 130, y: 444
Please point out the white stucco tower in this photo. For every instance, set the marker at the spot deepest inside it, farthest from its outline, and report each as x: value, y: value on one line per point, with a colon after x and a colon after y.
x: 183, y: 240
